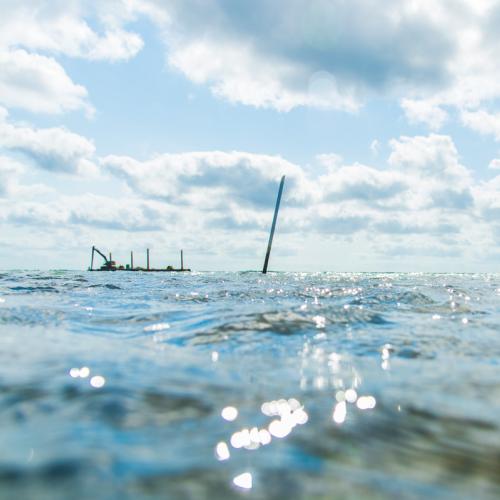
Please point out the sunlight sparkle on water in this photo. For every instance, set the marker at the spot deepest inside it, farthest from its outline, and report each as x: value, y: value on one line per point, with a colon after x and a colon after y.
x: 243, y: 481
x: 97, y: 381
x: 229, y: 413
x: 351, y: 395
x: 203, y: 406
x: 340, y: 412
x: 279, y: 429
x: 264, y: 437
x: 82, y: 372
x: 340, y: 396
x: 366, y: 403
x: 222, y: 451
x: 320, y: 321
x: 158, y: 327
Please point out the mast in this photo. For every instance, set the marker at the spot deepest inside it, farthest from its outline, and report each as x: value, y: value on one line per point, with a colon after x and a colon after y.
x: 273, y: 226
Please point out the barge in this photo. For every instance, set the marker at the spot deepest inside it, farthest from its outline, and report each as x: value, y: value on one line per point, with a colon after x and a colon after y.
x: 111, y: 265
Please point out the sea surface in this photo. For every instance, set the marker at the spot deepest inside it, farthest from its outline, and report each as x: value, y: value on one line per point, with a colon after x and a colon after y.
x: 238, y: 385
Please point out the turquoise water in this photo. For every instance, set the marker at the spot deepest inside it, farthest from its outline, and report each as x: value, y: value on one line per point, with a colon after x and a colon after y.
x: 238, y: 385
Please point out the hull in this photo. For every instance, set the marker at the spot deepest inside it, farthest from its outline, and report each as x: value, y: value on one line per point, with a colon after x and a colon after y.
x: 143, y: 270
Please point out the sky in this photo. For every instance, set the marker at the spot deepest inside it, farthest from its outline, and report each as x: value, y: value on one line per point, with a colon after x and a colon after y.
x: 167, y: 124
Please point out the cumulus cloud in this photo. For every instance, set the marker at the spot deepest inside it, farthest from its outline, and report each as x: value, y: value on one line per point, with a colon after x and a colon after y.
x: 336, y: 223
x: 64, y: 28
x: 39, y: 84
x: 439, y: 59
x: 55, y: 149
x: 131, y: 215
x: 33, y: 33
x: 375, y: 147
x: 483, y: 122
x: 280, y: 54
x: 419, y: 192
x: 416, y: 224
x: 211, y: 179
x: 424, y: 111
x: 474, y: 68
x: 423, y: 194
x: 433, y: 167
x: 10, y: 171
x: 423, y: 250
x: 433, y: 155
x: 494, y: 164
x: 360, y: 182
x: 301, y: 53
x: 487, y: 197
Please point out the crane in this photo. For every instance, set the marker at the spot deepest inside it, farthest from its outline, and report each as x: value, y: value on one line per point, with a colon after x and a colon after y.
x: 109, y: 265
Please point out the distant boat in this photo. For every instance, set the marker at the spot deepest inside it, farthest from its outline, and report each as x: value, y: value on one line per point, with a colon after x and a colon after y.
x: 111, y: 265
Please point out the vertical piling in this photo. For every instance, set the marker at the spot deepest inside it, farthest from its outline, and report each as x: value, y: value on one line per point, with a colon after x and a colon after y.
x: 182, y: 260
x: 92, y: 259
x: 147, y: 256
x: 110, y: 257
x: 273, y: 226
x: 132, y: 261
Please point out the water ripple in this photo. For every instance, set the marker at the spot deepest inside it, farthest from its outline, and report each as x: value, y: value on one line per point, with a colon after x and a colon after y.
x: 218, y: 385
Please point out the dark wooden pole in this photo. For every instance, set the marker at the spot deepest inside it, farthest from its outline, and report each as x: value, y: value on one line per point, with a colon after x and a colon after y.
x: 273, y: 226
x: 110, y: 257
x: 132, y: 260
x: 92, y: 260
x: 182, y: 261
x: 147, y: 255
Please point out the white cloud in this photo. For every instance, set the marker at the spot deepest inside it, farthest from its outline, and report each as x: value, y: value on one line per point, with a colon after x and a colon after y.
x: 63, y: 28
x: 10, y: 171
x: 131, y: 215
x: 421, y: 191
x: 211, y: 179
x: 285, y: 54
x: 375, y: 147
x: 38, y: 83
x: 360, y: 182
x: 236, y: 73
x: 33, y: 33
x: 424, y: 111
x: 54, y: 149
x: 424, y: 195
x: 495, y: 164
x: 417, y: 223
x: 474, y: 71
x: 434, y: 171
x: 291, y: 54
x: 434, y: 156
x: 301, y: 54
x: 483, y: 122
x: 331, y: 161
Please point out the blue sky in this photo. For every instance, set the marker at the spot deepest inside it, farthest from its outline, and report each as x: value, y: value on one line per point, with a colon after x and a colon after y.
x: 167, y: 124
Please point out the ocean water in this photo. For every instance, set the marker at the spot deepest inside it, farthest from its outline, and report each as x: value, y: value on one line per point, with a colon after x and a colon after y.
x: 239, y: 385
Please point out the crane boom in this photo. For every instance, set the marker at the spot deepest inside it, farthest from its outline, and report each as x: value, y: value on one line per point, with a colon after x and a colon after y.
x: 101, y: 254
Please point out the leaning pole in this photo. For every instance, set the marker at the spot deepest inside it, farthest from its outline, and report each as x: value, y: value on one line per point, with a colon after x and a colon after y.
x: 273, y: 226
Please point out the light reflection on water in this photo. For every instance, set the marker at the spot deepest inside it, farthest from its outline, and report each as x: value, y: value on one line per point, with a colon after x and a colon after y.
x: 228, y: 385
